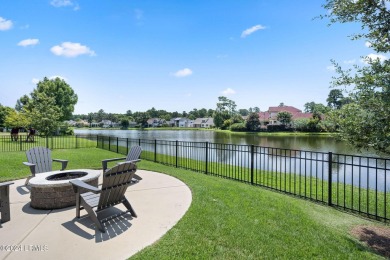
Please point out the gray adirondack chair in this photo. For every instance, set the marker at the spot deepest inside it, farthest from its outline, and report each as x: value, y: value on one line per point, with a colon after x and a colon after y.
x: 39, y: 160
x: 133, y: 156
x: 4, y: 202
x: 115, y: 182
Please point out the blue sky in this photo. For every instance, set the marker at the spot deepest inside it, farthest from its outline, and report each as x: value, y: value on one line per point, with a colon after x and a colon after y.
x: 174, y: 55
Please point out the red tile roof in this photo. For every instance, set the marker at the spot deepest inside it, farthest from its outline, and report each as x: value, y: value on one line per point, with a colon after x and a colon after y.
x: 290, y: 109
x: 295, y: 112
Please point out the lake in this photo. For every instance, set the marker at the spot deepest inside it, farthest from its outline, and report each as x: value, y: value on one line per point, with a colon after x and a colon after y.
x: 316, y: 143
x: 361, y: 172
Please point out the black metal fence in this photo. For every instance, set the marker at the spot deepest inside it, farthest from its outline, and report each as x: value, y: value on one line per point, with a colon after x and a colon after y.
x: 7, y: 144
x: 355, y: 183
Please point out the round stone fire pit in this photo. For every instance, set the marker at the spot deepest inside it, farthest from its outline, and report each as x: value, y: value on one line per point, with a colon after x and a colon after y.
x: 52, y: 190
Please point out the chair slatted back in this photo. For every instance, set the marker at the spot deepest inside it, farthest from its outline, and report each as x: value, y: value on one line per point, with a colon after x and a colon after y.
x: 41, y: 157
x: 115, y: 182
x: 134, y: 153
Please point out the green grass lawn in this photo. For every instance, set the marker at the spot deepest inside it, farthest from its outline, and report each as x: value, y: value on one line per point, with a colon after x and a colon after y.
x: 232, y: 220
x: 89, y: 158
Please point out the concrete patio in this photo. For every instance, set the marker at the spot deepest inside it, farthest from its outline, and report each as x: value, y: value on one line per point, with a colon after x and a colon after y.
x: 159, y: 200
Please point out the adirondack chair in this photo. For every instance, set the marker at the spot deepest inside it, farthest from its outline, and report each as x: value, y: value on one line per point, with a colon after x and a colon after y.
x: 133, y: 156
x: 39, y: 160
x: 4, y: 201
x: 115, y: 182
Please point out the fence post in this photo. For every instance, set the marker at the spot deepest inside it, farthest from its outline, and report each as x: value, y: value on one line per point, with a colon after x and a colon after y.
x: 117, y: 144
x: 155, y: 150
x: 139, y: 142
x: 76, y: 142
x: 177, y: 151
x: 109, y: 143
x: 47, y: 142
x: 21, y: 144
x: 330, y: 179
x: 207, y: 158
x: 252, y: 161
x: 127, y: 145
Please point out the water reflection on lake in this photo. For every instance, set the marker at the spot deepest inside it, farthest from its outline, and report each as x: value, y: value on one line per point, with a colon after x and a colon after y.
x: 311, y: 142
x: 303, y: 155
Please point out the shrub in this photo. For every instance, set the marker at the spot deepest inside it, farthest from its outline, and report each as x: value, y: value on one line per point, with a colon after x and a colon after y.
x: 276, y: 128
x: 238, y: 127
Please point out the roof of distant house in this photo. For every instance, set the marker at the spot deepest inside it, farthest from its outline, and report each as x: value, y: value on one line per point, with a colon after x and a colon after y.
x: 295, y: 112
x: 203, y: 120
x: 284, y: 108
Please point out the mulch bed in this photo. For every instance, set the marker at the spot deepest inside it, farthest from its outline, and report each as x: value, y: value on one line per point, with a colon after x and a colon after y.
x: 377, y: 238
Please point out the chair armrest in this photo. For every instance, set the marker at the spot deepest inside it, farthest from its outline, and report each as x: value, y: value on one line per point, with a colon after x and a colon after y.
x: 104, y: 162
x: 32, y: 167
x: 64, y: 163
x: 6, y: 183
x: 80, y: 184
x: 132, y: 161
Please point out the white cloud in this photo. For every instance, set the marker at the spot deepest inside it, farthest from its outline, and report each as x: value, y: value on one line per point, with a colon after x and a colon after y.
x: 28, y: 42
x: 5, y: 24
x: 350, y: 61
x: 331, y: 68
x: 374, y: 57
x: 60, y: 77
x: 183, y: 73
x: 35, y: 81
x: 251, y: 30
x: 65, y: 3
x: 368, y: 44
x: 61, y: 3
x: 70, y: 49
x: 228, y: 92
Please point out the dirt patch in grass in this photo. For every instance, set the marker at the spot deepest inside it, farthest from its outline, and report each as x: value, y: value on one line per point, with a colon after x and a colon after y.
x: 377, y: 238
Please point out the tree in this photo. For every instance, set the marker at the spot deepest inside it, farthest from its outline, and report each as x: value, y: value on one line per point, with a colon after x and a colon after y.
x: 226, y: 108
x: 4, y: 111
x: 124, y: 123
x: 253, y: 122
x: 44, y: 114
x: 63, y: 95
x: 21, y: 102
x: 16, y: 119
x: 141, y: 118
x: 101, y: 115
x: 210, y: 112
x: 281, y: 104
x: 227, y: 105
x: 284, y: 117
x: 153, y: 112
x: 243, y: 112
x: 90, y: 119
x: 335, y: 99
x: 364, y: 123
x: 316, y: 108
